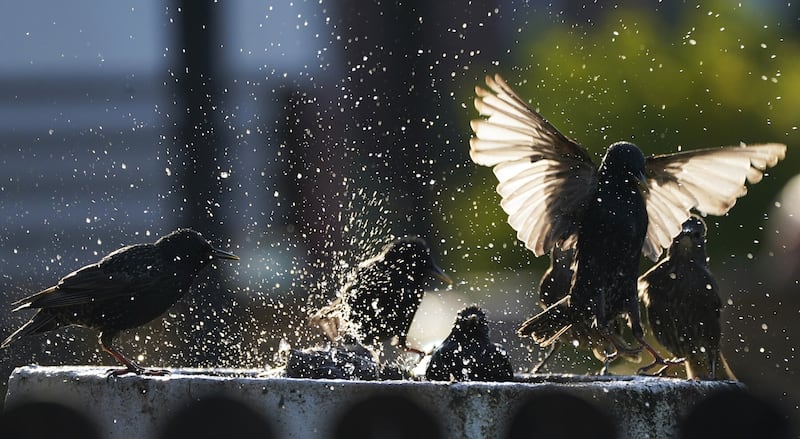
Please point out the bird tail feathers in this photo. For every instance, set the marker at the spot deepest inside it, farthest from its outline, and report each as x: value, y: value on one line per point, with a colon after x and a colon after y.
x: 38, y: 324
x: 31, y: 301
x: 723, y: 369
x: 708, y: 366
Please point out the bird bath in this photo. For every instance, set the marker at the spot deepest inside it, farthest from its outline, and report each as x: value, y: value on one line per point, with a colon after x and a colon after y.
x: 140, y: 406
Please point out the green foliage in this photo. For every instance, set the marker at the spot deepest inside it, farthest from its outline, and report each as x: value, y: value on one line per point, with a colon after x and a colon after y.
x: 702, y: 77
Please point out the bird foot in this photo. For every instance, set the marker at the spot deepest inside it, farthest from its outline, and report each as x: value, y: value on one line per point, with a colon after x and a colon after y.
x: 609, y: 357
x: 136, y: 370
x: 622, y: 349
x: 658, y: 361
x: 413, y: 350
x: 553, y: 348
x: 605, y: 371
x: 620, y: 346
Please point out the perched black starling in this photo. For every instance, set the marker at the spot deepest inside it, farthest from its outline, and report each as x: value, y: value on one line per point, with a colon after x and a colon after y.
x: 555, y: 286
x: 555, y: 196
x: 467, y: 354
x: 127, y: 288
x: 682, y: 304
x: 383, y: 294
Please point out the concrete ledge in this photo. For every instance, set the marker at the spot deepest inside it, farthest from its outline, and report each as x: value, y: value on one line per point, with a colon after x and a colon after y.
x: 133, y: 406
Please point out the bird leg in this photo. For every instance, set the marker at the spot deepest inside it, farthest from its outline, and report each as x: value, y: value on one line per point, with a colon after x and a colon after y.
x: 638, y: 333
x: 130, y: 367
x: 620, y: 346
x: 402, y: 342
x: 419, y: 352
x: 608, y: 357
x: 657, y: 359
x: 553, y: 348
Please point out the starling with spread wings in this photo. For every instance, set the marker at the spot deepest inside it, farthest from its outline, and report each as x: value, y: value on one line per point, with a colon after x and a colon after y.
x: 555, y: 195
x: 127, y: 288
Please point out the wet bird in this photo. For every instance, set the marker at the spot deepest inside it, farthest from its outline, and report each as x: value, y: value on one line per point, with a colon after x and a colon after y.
x: 467, y: 354
x: 555, y: 286
x: 555, y: 195
x: 346, y: 360
x: 127, y: 288
x: 682, y: 304
x: 382, y: 295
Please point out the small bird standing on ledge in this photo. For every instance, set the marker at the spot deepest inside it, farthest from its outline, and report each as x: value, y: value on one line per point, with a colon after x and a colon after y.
x: 682, y: 304
x: 127, y: 288
x: 468, y: 354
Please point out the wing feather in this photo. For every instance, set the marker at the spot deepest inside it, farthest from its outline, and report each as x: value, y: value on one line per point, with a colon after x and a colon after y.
x: 108, y: 279
x: 708, y: 180
x: 544, y: 178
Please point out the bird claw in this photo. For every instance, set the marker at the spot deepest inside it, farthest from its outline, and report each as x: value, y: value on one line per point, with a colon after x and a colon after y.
x: 620, y: 347
x: 136, y: 370
x: 609, y: 357
x: 412, y: 350
x: 664, y: 362
x: 659, y: 373
x: 605, y: 371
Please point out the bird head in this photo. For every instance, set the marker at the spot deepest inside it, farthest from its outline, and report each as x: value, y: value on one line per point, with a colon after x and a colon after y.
x: 471, y: 321
x: 412, y: 252
x: 626, y: 159
x: 190, y: 246
x: 692, y: 237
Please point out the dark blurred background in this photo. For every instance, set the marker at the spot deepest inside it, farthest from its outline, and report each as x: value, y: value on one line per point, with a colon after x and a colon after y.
x: 302, y: 135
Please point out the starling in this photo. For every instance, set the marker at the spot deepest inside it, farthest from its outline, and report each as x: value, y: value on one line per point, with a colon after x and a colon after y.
x: 555, y: 286
x: 467, y: 354
x: 682, y: 304
x: 555, y: 195
x: 383, y: 294
x: 127, y: 288
x: 347, y: 360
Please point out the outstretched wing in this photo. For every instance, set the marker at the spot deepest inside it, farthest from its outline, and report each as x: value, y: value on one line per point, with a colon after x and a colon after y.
x: 544, y: 177
x: 708, y: 180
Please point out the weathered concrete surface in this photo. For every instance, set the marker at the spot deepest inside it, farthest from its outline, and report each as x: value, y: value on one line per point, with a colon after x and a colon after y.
x: 133, y: 406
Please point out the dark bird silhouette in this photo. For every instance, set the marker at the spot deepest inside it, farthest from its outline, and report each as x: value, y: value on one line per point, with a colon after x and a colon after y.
x: 467, y: 354
x: 382, y: 295
x: 554, y: 287
x: 555, y: 196
x: 346, y: 360
x: 127, y: 288
x: 682, y: 304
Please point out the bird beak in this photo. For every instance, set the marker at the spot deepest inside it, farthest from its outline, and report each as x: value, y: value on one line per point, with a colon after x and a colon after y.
x: 221, y: 254
x: 685, y: 243
x: 439, y: 274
